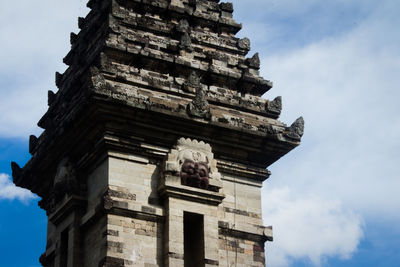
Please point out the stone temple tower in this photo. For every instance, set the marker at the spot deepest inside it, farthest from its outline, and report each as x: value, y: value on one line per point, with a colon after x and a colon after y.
x: 156, y: 144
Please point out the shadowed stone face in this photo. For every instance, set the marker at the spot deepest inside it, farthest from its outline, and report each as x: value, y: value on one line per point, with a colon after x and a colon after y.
x: 195, y: 174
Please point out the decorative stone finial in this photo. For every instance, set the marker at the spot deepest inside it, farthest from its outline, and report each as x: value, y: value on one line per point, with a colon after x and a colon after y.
x: 228, y: 7
x: 16, y: 171
x: 254, y: 61
x: 199, y: 107
x: 192, y: 84
x: 73, y: 37
x: 32, y: 143
x: 58, y: 79
x: 274, y: 106
x: 184, y: 28
x: 81, y: 22
x: 296, y: 130
x: 51, y: 96
x: 186, y: 42
x: 244, y: 43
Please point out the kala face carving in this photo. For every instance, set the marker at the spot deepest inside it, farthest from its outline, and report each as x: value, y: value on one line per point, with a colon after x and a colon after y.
x: 193, y: 162
x: 195, y: 174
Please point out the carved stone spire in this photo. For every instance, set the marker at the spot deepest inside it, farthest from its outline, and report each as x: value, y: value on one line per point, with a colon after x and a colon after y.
x: 141, y: 77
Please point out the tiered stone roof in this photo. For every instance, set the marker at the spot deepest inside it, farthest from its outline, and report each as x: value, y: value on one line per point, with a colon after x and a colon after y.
x: 154, y: 71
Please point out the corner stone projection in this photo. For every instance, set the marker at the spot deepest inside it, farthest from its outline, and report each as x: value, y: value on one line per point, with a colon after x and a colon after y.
x: 156, y: 144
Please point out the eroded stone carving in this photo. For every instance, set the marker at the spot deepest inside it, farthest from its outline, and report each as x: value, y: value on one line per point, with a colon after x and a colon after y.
x: 296, y: 130
x: 98, y: 81
x: 254, y: 61
x: 199, y: 107
x: 226, y: 7
x: 274, y: 106
x: 194, y: 163
x: 244, y: 43
x: 192, y: 83
x: 186, y: 42
x: 184, y: 28
x: 65, y: 180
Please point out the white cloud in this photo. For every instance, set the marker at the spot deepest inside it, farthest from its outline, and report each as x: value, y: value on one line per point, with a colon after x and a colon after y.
x: 308, y: 228
x: 10, y: 192
x: 346, y: 88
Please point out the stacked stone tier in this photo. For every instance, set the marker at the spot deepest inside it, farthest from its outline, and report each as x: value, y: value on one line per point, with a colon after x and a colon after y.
x: 219, y: 56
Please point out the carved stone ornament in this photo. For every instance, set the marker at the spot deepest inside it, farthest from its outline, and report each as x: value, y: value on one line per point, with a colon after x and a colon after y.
x: 194, y: 163
x: 33, y: 141
x: 244, y: 43
x: 296, y: 130
x: 98, y: 81
x: 274, y: 106
x: 270, y: 129
x: 59, y: 77
x: 195, y: 174
x: 51, y: 96
x: 65, y: 180
x: 226, y: 7
x: 254, y: 61
x: 199, y: 107
x: 16, y: 172
x: 186, y: 42
x: 192, y: 83
x: 184, y: 28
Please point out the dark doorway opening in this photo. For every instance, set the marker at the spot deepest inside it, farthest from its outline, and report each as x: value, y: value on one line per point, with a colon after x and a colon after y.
x: 193, y: 239
x: 64, y: 248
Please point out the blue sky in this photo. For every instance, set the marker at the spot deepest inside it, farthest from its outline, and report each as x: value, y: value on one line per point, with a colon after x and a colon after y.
x: 333, y: 201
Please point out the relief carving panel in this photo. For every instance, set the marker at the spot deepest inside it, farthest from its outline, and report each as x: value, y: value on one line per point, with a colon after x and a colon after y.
x: 194, y: 163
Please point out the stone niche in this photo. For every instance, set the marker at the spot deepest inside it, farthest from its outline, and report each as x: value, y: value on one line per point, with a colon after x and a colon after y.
x: 193, y: 163
x: 190, y: 186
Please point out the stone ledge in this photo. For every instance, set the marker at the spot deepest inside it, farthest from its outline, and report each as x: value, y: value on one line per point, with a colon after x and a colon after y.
x: 172, y: 187
x: 245, y: 231
x: 68, y: 205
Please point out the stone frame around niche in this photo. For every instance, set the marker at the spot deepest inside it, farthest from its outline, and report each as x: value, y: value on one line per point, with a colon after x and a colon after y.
x: 198, y: 152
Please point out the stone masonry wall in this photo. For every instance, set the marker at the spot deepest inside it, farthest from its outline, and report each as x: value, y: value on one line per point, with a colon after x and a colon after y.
x: 234, y: 227
x: 94, y: 244
x: 134, y: 242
